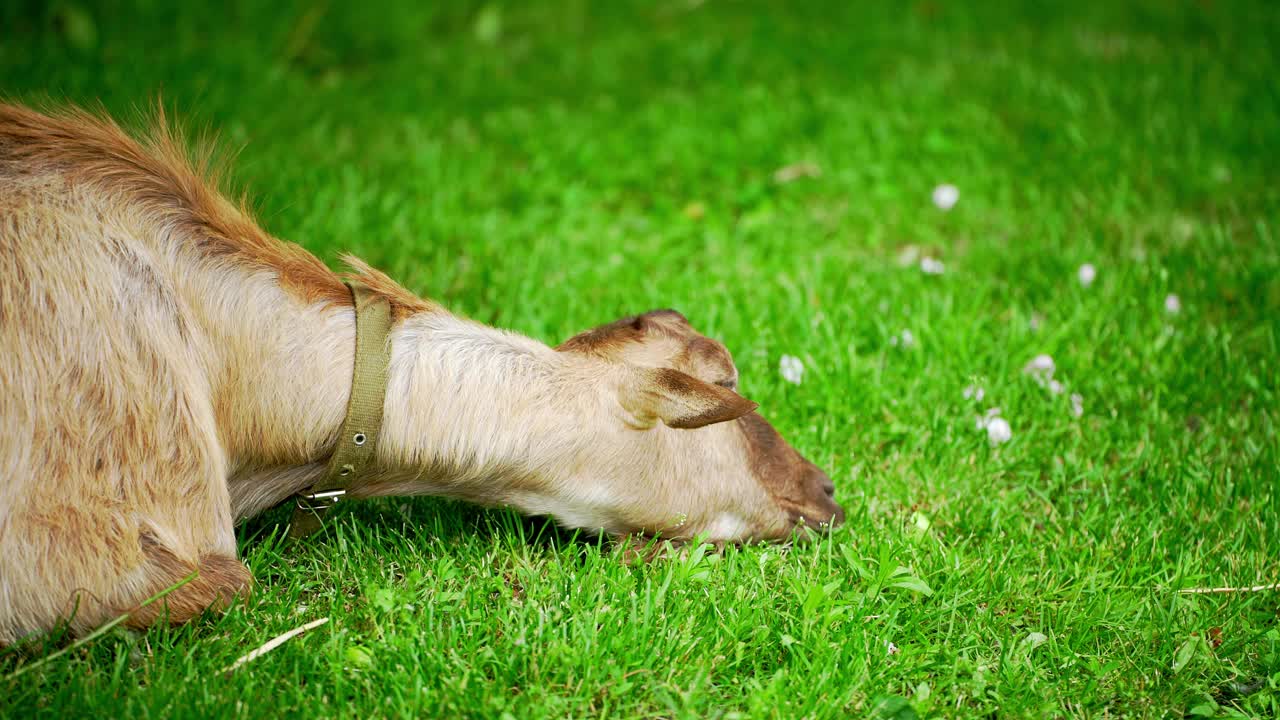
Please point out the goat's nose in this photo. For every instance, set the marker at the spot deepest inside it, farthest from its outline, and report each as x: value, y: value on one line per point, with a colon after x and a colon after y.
x: 828, y: 497
x: 821, y: 480
x: 827, y: 500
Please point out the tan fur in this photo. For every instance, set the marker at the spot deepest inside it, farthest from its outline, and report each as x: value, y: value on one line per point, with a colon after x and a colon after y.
x: 169, y: 368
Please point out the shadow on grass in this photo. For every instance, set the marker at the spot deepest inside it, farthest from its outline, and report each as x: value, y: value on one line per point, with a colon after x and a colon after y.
x: 420, y: 521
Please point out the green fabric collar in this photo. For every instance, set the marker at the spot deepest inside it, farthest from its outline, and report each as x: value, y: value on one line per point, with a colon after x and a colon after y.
x: 358, y: 439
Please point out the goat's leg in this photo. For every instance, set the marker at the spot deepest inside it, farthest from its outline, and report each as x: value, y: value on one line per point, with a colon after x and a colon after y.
x: 94, y: 557
x: 211, y: 581
x: 189, y: 539
x: 87, y: 565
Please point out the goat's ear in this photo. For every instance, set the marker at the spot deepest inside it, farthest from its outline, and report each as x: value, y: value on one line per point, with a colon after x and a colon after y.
x: 680, y: 400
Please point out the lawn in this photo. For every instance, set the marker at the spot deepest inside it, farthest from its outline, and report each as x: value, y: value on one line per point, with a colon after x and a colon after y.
x: 767, y: 168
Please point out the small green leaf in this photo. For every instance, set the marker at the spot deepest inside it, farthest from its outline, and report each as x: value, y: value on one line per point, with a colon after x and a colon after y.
x: 914, y: 584
x: 1033, y: 641
x: 383, y: 599
x: 902, y: 578
x: 813, y: 599
x: 922, y: 693
x: 488, y: 24
x: 921, y: 521
x: 851, y: 557
x: 893, y: 707
x: 1186, y: 651
x: 358, y: 657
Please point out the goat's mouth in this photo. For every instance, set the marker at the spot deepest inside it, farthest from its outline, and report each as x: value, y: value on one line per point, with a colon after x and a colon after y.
x: 806, y: 530
x: 821, y: 516
x: 819, y: 521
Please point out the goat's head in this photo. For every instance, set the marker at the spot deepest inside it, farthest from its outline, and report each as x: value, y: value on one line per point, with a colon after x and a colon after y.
x: 691, y: 455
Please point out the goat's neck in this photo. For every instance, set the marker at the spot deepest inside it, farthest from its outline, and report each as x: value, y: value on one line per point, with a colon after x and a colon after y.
x: 470, y: 412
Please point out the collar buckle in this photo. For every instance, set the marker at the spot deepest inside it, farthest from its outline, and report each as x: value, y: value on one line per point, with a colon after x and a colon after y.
x: 320, y: 500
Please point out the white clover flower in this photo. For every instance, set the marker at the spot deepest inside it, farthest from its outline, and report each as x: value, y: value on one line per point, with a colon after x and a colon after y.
x: 1087, y: 273
x: 974, y: 392
x: 904, y: 338
x: 1077, y: 405
x: 1172, y: 304
x: 1041, y: 369
x: 792, y: 369
x: 1040, y: 365
x: 890, y: 648
x: 932, y: 266
x: 982, y: 421
x: 998, y: 431
x: 945, y: 196
x: 1036, y: 322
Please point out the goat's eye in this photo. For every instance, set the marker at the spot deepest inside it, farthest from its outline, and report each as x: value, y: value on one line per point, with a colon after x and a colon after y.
x: 730, y: 384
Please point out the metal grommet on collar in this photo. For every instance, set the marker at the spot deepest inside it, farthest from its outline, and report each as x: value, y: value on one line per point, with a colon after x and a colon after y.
x: 346, y: 470
x: 359, y: 438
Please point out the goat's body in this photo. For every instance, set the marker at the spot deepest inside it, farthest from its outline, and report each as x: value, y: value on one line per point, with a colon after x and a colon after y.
x: 113, y: 474
x: 120, y: 372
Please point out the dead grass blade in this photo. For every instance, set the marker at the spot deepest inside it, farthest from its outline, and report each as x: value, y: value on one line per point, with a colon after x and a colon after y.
x: 273, y: 643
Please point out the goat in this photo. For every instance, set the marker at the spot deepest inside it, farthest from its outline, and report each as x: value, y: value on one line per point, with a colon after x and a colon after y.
x: 169, y: 369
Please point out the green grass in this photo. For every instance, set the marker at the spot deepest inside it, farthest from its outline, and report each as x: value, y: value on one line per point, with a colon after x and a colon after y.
x: 533, y: 166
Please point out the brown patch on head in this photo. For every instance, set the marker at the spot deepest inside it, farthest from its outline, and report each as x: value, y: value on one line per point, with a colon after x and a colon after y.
x: 796, y: 485
x: 160, y: 175
x: 659, y: 338
x: 609, y: 339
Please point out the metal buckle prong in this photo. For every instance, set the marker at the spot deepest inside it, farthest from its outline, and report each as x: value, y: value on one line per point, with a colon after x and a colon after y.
x: 320, y: 500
